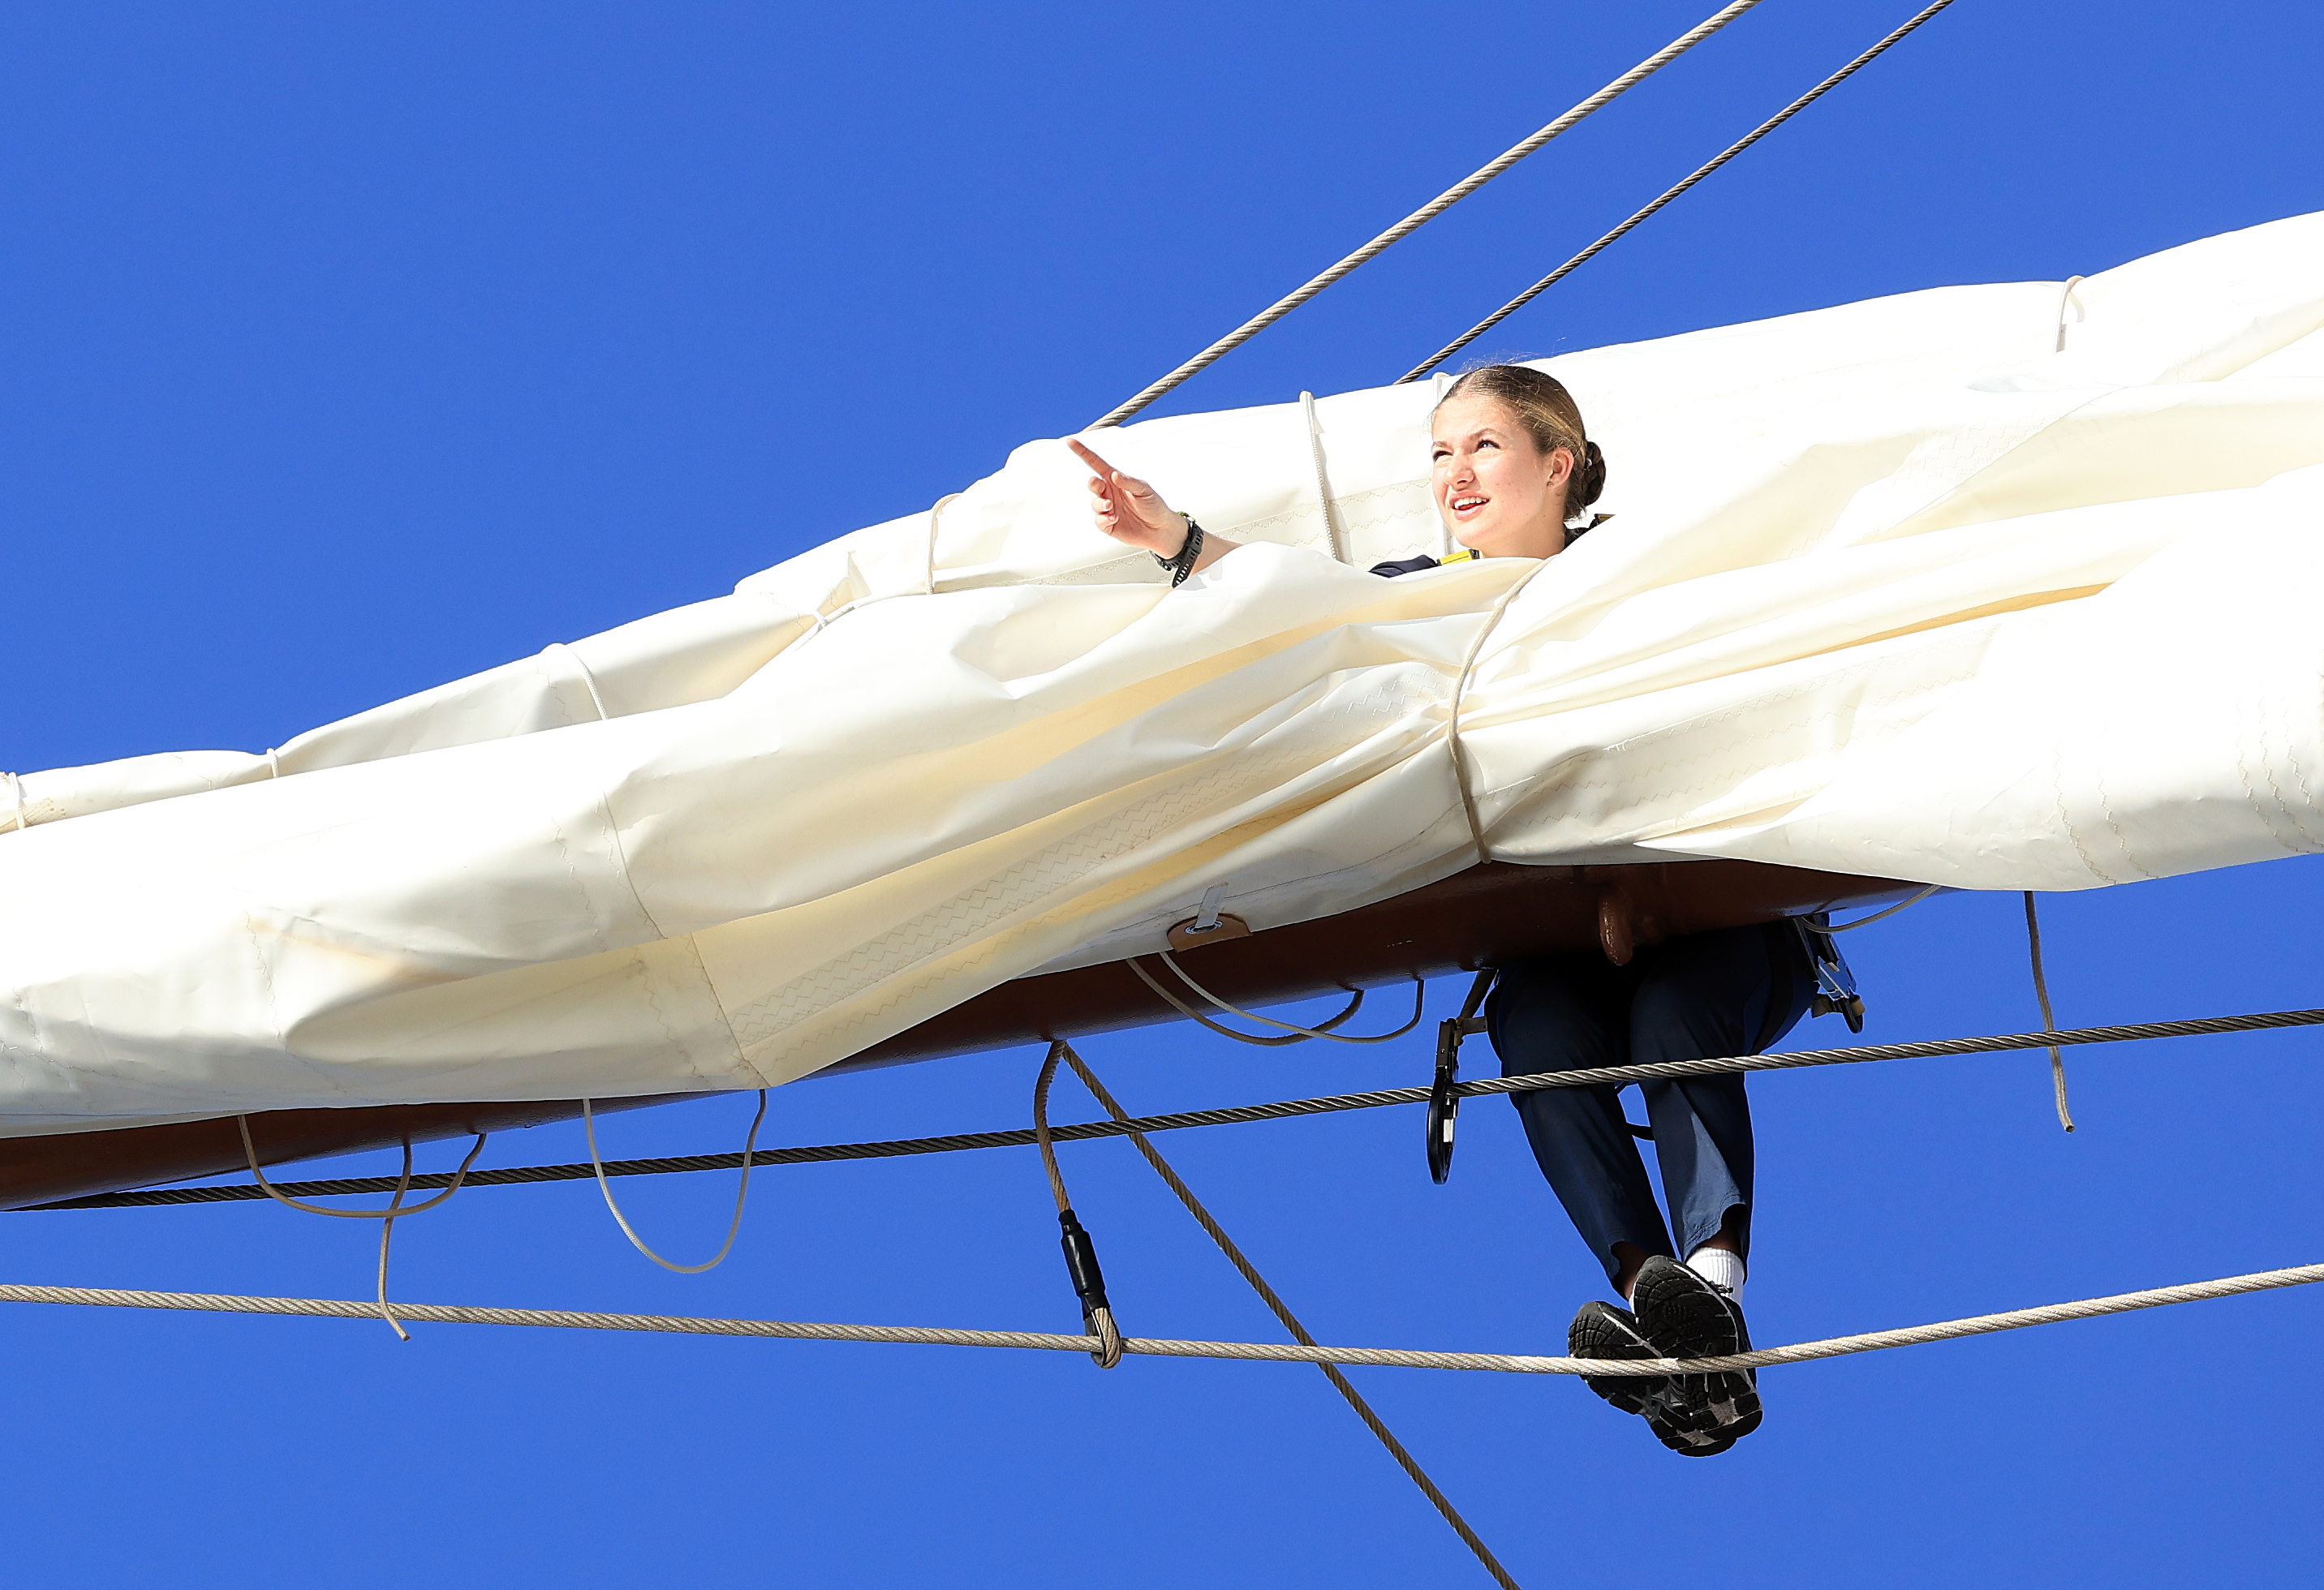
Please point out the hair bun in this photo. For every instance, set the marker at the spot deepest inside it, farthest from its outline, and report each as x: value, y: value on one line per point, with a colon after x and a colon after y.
x: 1589, y: 480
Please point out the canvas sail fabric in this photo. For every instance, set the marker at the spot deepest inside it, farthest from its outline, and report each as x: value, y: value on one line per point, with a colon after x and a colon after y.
x: 1894, y: 588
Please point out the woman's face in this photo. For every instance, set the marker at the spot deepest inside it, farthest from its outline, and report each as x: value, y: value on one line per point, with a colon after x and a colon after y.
x: 1502, y: 496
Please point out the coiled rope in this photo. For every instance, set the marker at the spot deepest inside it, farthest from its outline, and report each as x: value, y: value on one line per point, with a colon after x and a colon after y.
x: 1429, y: 211
x: 1230, y: 1116
x: 1616, y: 236
x: 1167, y: 1347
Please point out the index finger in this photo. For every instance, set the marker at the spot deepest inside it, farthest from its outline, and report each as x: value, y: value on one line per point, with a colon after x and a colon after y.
x: 1105, y: 471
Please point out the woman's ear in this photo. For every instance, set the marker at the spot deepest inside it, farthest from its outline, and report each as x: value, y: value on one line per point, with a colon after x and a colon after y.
x: 1561, y: 466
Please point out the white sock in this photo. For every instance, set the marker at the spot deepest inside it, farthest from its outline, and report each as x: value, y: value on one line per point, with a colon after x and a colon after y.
x: 1722, y: 1269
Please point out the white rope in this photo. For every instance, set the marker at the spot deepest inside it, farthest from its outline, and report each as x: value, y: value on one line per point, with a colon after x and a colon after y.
x: 1430, y: 211
x: 1419, y: 992
x: 1167, y: 1347
x: 16, y: 783
x: 1355, y: 1003
x: 1461, y: 695
x: 741, y: 1192
x: 389, y: 1213
x: 588, y: 679
x: 2067, y: 297
x: 1331, y: 535
x: 273, y: 763
x: 1440, y: 383
x: 387, y: 1231
x: 1841, y: 927
x: 2049, y: 1023
x: 936, y: 516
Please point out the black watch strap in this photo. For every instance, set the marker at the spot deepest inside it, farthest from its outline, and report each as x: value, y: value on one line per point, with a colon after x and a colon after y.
x: 1188, y: 555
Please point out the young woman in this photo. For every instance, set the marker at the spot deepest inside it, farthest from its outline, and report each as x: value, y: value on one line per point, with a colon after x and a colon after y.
x: 1514, y: 475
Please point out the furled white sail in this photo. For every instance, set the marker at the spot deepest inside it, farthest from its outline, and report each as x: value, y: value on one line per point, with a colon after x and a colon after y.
x: 1897, y: 588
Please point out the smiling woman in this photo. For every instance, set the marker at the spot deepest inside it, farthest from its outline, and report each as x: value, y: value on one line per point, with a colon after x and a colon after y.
x: 1514, y: 470
x: 1514, y: 473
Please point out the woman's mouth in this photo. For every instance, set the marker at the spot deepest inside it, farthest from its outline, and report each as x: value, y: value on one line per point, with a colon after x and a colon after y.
x: 1468, y: 505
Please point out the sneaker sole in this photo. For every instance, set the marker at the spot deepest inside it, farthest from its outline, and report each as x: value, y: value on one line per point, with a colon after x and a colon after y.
x: 1691, y: 1321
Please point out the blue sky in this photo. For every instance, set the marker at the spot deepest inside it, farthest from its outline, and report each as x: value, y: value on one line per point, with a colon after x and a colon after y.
x: 350, y: 349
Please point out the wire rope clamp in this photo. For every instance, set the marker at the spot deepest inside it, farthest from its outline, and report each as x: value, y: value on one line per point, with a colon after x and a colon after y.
x: 1089, y: 1286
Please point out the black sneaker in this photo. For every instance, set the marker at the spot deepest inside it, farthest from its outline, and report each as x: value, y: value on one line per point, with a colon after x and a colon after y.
x: 1602, y: 1330
x: 1683, y: 1316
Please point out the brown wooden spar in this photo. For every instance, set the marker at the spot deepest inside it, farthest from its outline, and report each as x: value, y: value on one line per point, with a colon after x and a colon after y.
x: 1490, y: 913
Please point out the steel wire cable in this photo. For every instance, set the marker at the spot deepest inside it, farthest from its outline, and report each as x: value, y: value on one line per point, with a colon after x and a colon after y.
x: 1429, y: 211
x: 1169, y: 1347
x: 1278, y: 1308
x: 1233, y: 1115
x: 1616, y: 236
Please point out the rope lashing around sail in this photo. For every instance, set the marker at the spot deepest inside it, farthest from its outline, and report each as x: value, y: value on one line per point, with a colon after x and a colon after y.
x: 1230, y: 1116
x: 1167, y: 1347
x: 1616, y: 236
x: 741, y: 1192
x: 1429, y: 211
x: 1275, y: 1305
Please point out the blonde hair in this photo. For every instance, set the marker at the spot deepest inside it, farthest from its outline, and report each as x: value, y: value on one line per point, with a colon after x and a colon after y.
x: 1550, y: 416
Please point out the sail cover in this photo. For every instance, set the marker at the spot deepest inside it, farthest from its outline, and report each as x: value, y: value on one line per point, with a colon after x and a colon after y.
x: 1902, y: 588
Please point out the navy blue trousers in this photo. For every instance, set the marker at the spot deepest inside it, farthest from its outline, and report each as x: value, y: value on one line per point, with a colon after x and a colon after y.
x: 1735, y: 991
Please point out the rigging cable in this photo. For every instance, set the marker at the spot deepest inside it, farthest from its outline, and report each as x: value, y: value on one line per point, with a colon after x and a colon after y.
x: 1167, y: 1347
x: 1429, y: 211
x: 1587, y: 254
x: 1279, y: 1309
x: 1228, y: 1116
x: 1081, y: 1256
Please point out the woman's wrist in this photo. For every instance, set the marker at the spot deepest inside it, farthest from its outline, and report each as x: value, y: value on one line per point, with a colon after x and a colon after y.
x: 1183, y: 562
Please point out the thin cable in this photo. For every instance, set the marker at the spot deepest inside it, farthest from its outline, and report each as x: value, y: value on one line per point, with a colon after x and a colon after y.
x: 1355, y: 1003
x: 1282, y: 1312
x: 1230, y: 1116
x: 1841, y: 927
x: 1167, y: 1348
x: 1420, y: 993
x: 741, y: 1192
x: 2049, y: 1022
x: 389, y: 1214
x: 1587, y: 254
x: 1429, y: 211
x: 387, y: 1230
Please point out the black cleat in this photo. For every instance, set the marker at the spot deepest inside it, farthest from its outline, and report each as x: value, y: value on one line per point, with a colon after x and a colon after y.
x: 1683, y: 1316
x: 1602, y: 1330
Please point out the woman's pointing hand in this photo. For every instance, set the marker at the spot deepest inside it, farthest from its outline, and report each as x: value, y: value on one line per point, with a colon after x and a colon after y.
x: 1130, y: 511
